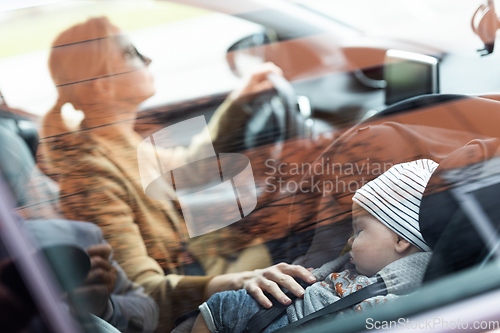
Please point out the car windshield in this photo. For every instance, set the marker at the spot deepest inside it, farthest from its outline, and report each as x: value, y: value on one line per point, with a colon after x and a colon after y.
x: 199, y: 36
x: 445, y: 22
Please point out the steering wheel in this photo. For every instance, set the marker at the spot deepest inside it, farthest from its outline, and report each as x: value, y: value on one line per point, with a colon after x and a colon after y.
x: 275, y: 115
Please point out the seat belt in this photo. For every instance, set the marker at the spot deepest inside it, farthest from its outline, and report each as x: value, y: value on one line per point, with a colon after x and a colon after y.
x: 264, y: 317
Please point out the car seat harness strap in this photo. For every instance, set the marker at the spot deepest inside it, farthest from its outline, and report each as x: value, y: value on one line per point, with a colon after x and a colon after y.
x: 264, y: 317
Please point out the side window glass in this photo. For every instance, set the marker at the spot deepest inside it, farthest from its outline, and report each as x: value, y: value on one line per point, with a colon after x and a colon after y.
x: 187, y: 46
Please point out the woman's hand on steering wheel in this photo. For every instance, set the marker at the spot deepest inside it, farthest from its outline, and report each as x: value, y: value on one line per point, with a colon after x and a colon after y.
x: 255, y: 82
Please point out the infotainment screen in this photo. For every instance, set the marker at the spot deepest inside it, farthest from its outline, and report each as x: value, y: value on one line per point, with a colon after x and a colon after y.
x: 408, y: 75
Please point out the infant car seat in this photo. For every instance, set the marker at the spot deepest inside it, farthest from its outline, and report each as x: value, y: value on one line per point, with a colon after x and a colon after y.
x: 459, y: 214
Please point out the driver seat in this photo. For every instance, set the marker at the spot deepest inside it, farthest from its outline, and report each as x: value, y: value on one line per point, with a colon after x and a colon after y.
x: 36, y: 194
x: 17, y: 167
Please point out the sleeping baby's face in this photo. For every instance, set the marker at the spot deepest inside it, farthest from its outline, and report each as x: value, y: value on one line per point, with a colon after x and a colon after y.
x: 373, y: 244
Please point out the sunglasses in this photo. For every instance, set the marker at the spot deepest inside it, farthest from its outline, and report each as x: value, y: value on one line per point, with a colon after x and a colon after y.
x: 129, y: 53
x: 132, y: 52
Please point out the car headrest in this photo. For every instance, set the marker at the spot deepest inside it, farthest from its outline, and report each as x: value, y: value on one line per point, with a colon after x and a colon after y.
x: 23, y: 125
x: 16, y: 159
x: 446, y: 220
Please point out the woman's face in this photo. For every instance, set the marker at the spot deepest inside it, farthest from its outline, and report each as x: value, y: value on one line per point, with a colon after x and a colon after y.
x: 131, y: 80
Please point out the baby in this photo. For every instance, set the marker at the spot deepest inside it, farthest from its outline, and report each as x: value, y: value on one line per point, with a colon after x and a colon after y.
x: 386, y: 244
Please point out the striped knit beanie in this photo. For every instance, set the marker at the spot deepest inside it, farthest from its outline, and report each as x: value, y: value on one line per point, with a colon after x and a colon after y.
x: 394, y: 198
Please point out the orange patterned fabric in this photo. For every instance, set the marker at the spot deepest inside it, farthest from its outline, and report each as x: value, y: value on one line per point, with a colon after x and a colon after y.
x: 346, y: 282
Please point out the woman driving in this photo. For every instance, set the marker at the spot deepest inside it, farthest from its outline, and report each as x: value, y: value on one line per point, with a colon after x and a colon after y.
x: 97, y: 69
